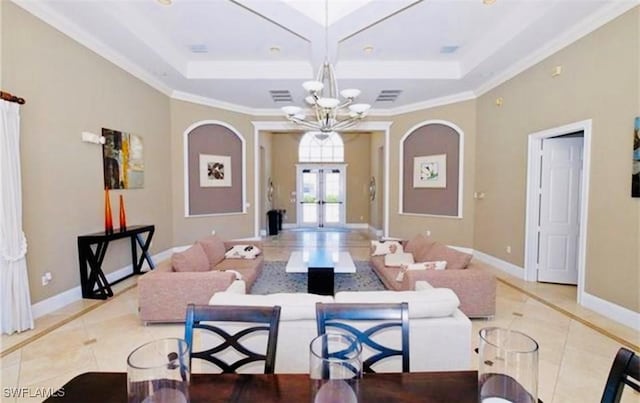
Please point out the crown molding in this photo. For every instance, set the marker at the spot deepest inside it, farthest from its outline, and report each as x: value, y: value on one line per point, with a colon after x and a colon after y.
x: 41, y: 10
x: 598, y: 19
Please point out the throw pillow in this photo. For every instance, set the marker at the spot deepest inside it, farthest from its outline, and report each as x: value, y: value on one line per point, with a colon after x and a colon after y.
x: 419, y: 246
x: 192, y: 259
x: 438, y: 265
x: 398, y: 259
x: 455, y: 260
x: 242, y: 252
x: 213, y: 247
x: 381, y: 248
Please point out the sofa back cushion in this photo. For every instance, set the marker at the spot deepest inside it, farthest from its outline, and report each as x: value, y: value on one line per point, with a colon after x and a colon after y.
x: 192, y: 259
x: 213, y: 247
x: 420, y: 246
x: 431, y: 303
x: 456, y: 260
x: 294, y: 306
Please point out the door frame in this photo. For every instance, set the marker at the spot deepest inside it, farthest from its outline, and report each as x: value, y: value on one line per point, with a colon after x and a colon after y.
x: 534, y: 167
x: 343, y: 190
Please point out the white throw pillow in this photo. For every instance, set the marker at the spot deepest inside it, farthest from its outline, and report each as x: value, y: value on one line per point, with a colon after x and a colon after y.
x: 433, y: 303
x: 437, y: 265
x: 398, y: 259
x: 294, y: 306
x: 242, y: 252
x: 381, y: 248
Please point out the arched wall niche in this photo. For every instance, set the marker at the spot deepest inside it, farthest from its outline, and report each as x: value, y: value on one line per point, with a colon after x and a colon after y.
x: 429, y: 141
x: 214, y: 142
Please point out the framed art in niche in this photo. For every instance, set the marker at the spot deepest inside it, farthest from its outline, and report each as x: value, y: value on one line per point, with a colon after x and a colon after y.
x: 430, y: 171
x: 215, y: 170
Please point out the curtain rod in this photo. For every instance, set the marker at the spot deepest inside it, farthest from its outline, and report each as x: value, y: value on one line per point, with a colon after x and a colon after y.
x: 11, y: 98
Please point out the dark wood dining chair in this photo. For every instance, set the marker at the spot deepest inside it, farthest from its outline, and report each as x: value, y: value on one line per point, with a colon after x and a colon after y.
x: 625, y: 370
x: 390, y: 315
x: 265, y: 318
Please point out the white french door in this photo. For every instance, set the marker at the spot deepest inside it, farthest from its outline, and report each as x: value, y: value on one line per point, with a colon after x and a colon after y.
x: 321, y: 195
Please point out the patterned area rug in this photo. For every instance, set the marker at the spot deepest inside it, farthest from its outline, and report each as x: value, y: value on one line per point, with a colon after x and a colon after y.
x: 274, y: 279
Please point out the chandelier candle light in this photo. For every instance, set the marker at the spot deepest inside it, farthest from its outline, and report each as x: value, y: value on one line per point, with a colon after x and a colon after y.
x: 332, y: 114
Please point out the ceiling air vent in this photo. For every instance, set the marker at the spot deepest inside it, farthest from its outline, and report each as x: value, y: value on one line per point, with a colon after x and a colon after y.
x: 199, y: 48
x: 388, y: 95
x: 445, y: 50
x: 281, y: 96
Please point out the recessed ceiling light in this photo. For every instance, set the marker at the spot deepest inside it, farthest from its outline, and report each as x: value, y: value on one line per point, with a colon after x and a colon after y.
x: 367, y: 49
x: 488, y: 2
x: 274, y: 49
x: 165, y: 2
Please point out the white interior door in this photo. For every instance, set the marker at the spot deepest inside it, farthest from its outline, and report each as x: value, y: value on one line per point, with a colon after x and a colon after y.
x: 321, y: 195
x: 559, y: 223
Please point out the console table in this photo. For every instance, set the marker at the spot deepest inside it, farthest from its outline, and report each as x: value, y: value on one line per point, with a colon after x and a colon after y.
x: 93, y: 282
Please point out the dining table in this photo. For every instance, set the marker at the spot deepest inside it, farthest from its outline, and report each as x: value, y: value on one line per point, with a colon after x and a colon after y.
x: 428, y: 387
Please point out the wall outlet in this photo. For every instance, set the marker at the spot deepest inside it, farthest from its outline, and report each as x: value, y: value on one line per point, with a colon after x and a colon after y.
x: 361, y: 218
x: 428, y: 232
x: 46, y: 278
x: 508, y: 248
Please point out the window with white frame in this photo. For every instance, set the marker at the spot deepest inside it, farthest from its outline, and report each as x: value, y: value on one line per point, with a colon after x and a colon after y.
x: 314, y: 148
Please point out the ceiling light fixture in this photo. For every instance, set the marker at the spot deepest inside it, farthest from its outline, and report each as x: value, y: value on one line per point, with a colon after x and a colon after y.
x: 331, y: 113
x: 165, y: 2
x: 368, y: 49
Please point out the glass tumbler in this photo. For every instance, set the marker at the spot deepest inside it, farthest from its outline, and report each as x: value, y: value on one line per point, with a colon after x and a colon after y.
x: 335, y: 367
x: 158, y: 372
x: 508, y: 367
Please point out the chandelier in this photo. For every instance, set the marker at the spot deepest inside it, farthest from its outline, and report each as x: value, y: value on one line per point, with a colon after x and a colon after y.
x: 331, y: 113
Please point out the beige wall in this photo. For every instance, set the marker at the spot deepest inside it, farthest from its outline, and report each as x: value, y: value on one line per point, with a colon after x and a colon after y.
x: 265, y: 140
x: 188, y: 229
x: 376, y: 214
x: 357, y: 158
x: 70, y: 89
x: 453, y: 231
x: 599, y: 82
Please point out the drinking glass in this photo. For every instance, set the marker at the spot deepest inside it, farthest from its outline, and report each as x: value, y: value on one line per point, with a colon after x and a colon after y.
x: 335, y: 366
x: 508, y: 367
x: 158, y: 372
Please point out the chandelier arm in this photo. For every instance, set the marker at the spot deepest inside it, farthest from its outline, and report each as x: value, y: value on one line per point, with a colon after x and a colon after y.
x: 345, y: 124
x: 306, y: 123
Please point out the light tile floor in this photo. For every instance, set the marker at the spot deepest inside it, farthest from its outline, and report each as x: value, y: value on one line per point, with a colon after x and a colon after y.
x: 577, y: 346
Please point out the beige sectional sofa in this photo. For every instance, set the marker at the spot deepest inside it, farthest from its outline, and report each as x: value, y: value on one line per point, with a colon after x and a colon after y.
x: 475, y: 287
x: 193, y: 276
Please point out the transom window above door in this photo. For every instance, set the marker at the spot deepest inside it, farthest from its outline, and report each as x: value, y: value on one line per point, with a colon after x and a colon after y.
x: 321, y: 147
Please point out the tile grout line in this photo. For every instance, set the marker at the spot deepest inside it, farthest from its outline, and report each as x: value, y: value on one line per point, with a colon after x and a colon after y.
x: 61, y: 323
x: 572, y: 316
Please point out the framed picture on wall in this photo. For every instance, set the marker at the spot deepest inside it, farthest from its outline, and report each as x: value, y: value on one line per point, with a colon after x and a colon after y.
x: 430, y: 171
x: 215, y: 170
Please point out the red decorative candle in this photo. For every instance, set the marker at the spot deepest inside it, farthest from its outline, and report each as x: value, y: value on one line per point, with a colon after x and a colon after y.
x: 108, y: 223
x: 123, y: 216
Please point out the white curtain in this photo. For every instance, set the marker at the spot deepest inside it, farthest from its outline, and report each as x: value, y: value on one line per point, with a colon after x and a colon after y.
x: 15, y: 300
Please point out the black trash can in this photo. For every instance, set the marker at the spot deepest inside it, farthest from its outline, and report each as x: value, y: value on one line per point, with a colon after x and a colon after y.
x: 272, y: 221
x: 280, y: 218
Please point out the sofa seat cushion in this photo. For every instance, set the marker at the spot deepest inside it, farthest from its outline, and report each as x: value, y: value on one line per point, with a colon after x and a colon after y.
x: 213, y: 246
x: 456, y: 260
x: 192, y: 259
x: 294, y: 306
x: 431, y: 303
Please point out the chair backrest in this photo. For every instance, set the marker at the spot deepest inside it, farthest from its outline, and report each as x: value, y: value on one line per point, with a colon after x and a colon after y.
x: 390, y: 315
x: 267, y: 318
x: 625, y: 370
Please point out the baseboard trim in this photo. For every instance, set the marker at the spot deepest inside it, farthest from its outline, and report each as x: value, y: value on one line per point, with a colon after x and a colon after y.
x: 375, y: 231
x: 612, y: 311
x: 357, y: 225
x: 503, y: 265
x: 65, y: 298
x: 462, y: 249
